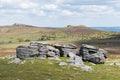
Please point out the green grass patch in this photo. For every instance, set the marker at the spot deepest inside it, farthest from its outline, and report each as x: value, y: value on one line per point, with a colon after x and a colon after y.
x: 12, y: 45
x: 37, y: 69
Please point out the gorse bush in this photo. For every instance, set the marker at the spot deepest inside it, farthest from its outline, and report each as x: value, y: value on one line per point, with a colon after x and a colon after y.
x: 10, y: 41
x: 27, y: 40
x: 47, y: 37
x: 20, y: 40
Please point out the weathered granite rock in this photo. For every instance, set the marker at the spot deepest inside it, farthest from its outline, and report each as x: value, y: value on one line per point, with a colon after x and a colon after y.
x: 41, y: 50
x: 36, y: 50
x: 23, y: 52
x: 15, y: 60
x: 71, y: 55
x: 77, y: 61
x: 66, y: 49
x: 92, y: 54
x: 52, y: 52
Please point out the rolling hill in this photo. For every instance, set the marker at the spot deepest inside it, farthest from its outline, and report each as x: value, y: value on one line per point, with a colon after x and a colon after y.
x: 14, y: 34
x: 21, y: 33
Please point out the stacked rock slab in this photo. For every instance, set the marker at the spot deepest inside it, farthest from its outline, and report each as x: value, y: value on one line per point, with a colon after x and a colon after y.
x: 35, y: 49
x: 92, y: 54
x: 41, y: 50
x: 66, y: 49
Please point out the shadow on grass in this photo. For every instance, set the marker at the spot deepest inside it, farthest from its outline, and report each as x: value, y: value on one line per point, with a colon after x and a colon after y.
x: 111, y: 45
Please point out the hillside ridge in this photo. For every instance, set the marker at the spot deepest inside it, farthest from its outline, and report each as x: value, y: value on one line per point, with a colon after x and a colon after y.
x: 21, y: 32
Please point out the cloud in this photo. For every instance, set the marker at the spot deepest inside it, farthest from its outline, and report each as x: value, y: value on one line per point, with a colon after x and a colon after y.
x: 69, y: 13
x: 94, y: 8
x: 39, y: 12
x: 50, y: 7
x: 28, y: 5
x: 61, y: 9
x: 6, y: 1
x: 19, y: 3
x: 61, y: 1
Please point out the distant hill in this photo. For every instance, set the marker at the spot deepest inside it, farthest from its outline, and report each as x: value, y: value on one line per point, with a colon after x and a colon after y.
x: 20, y: 28
x: 27, y: 32
x: 113, y: 29
x: 80, y: 30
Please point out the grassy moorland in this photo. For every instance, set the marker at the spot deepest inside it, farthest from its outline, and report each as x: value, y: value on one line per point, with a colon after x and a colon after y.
x: 36, y: 69
x: 9, y: 34
x: 14, y: 35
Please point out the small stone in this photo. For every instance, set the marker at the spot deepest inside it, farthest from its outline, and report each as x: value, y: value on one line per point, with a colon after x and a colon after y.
x: 23, y: 62
x: 54, y: 58
x: 32, y: 61
x: 15, y: 60
x: 92, y: 63
x: 86, y: 68
x: 50, y: 63
x: 62, y: 64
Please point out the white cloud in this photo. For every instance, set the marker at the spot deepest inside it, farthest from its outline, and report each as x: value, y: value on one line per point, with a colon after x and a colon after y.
x: 59, y: 2
x: 61, y: 9
x: 6, y: 1
x: 12, y: 11
x: 38, y: 12
x: 28, y: 5
x: 17, y: 7
x: 50, y: 7
x: 69, y: 13
x: 95, y: 8
x: 19, y: 3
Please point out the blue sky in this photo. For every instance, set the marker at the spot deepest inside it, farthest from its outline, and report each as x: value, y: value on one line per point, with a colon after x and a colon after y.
x: 60, y: 13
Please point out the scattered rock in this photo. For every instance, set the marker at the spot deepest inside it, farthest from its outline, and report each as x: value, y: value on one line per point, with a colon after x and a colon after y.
x: 8, y: 57
x: 15, y: 60
x: 113, y: 62
x: 54, y: 58
x: 23, y: 62
x: 86, y: 68
x: 50, y: 63
x: 93, y: 54
x: 62, y: 64
x: 92, y: 63
x: 32, y: 61
x: 75, y: 61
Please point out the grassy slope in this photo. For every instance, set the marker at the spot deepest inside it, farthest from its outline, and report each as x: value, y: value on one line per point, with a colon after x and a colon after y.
x: 13, y: 33
x: 42, y: 70
x: 74, y: 34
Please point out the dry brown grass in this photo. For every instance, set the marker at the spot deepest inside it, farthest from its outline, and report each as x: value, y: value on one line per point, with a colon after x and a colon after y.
x: 7, y: 54
x: 114, y: 56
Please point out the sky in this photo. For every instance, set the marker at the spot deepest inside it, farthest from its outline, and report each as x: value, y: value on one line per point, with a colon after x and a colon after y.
x: 60, y: 13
